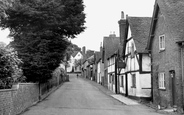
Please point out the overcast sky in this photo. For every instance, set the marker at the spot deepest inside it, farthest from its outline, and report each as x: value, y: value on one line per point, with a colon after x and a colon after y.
x: 102, y: 18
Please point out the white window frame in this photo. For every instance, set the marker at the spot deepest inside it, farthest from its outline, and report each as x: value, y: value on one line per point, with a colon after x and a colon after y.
x: 161, y: 80
x: 162, y: 42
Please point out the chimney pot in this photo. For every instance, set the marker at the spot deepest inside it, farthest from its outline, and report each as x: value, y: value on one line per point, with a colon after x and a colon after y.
x: 122, y: 15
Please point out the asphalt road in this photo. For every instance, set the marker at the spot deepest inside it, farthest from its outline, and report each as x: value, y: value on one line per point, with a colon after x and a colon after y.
x: 82, y: 97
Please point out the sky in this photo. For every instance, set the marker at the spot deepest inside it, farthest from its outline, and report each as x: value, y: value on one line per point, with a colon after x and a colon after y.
x: 102, y: 18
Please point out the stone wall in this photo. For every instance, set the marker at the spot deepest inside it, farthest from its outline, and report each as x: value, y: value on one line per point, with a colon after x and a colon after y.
x: 14, y: 101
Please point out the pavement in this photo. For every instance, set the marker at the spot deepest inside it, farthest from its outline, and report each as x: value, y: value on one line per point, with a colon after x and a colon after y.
x: 125, y: 100
x: 128, y: 101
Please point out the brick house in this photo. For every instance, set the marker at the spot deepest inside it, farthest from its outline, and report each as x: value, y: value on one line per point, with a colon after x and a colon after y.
x: 165, y: 44
x: 135, y: 78
x: 110, y: 45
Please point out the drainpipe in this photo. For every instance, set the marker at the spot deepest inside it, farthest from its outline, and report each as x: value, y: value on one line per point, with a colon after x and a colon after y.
x: 182, y: 70
x: 116, y: 81
x: 181, y: 44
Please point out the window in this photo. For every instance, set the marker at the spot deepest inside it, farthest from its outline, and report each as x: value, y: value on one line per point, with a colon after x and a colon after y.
x: 162, y: 42
x: 113, y: 80
x: 122, y: 81
x: 132, y: 50
x: 109, y: 78
x: 161, y: 81
x: 133, y: 81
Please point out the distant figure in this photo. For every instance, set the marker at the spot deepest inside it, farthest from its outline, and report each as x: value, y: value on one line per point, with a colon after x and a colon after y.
x: 77, y: 75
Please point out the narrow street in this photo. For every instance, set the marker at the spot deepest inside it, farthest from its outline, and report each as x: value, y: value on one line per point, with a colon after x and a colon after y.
x: 83, y: 97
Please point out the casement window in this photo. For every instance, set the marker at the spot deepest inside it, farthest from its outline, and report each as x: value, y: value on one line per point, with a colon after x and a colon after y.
x: 133, y: 81
x: 109, y: 78
x: 128, y: 49
x: 161, y: 80
x: 122, y: 81
x: 113, y: 80
x: 162, y: 42
x: 132, y: 50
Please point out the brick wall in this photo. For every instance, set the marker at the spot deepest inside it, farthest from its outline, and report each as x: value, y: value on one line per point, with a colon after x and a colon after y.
x: 14, y: 101
x: 6, y: 105
x: 167, y: 60
x: 25, y: 96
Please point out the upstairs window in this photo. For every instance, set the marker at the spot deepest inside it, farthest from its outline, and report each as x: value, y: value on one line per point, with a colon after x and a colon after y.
x: 132, y: 50
x: 162, y: 42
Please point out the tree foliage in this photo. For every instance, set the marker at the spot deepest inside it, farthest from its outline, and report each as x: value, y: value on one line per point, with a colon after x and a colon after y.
x: 10, y: 67
x: 40, y: 29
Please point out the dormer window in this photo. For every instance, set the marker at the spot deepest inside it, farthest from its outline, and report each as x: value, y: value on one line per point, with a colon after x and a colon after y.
x: 162, y: 42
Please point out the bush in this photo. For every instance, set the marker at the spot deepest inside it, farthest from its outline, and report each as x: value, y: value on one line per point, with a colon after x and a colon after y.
x: 10, y: 71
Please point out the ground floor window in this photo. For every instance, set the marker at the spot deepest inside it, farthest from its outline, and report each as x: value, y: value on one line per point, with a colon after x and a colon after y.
x: 161, y: 80
x: 122, y: 81
x: 109, y: 78
x: 113, y: 79
x: 133, y: 81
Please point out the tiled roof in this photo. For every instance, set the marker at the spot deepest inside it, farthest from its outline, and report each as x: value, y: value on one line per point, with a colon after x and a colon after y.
x: 111, y: 45
x: 140, y: 27
x: 74, y: 53
x: 98, y: 56
x: 88, y: 54
x: 173, y: 13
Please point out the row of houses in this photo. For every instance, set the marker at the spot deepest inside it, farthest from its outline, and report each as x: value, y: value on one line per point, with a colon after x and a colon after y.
x: 146, y: 60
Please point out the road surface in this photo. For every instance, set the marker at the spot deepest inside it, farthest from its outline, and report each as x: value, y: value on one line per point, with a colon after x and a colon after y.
x: 82, y: 97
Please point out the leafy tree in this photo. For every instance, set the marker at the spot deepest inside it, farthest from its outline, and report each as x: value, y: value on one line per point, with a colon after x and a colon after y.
x: 40, y: 29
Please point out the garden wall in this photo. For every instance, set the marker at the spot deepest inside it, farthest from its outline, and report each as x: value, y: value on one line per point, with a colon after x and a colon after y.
x: 20, y: 97
x: 16, y: 100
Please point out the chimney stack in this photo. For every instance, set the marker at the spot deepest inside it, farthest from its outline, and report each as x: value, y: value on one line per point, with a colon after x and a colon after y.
x: 84, y: 50
x: 112, y: 34
x: 123, y: 28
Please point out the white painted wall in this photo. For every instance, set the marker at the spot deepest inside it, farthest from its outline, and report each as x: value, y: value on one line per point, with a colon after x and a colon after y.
x: 142, y: 80
x: 111, y: 70
x: 98, y: 72
x: 72, y: 61
x: 78, y: 56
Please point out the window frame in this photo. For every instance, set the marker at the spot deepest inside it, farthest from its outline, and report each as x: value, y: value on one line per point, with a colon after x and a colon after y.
x: 162, y: 42
x: 132, y: 51
x: 161, y: 80
x: 133, y: 80
x: 110, y: 78
x: 122, y: 81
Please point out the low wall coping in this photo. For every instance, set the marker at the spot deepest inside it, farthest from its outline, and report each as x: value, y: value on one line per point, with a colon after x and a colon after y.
x: 27, y: 83
x: 6, y: 90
